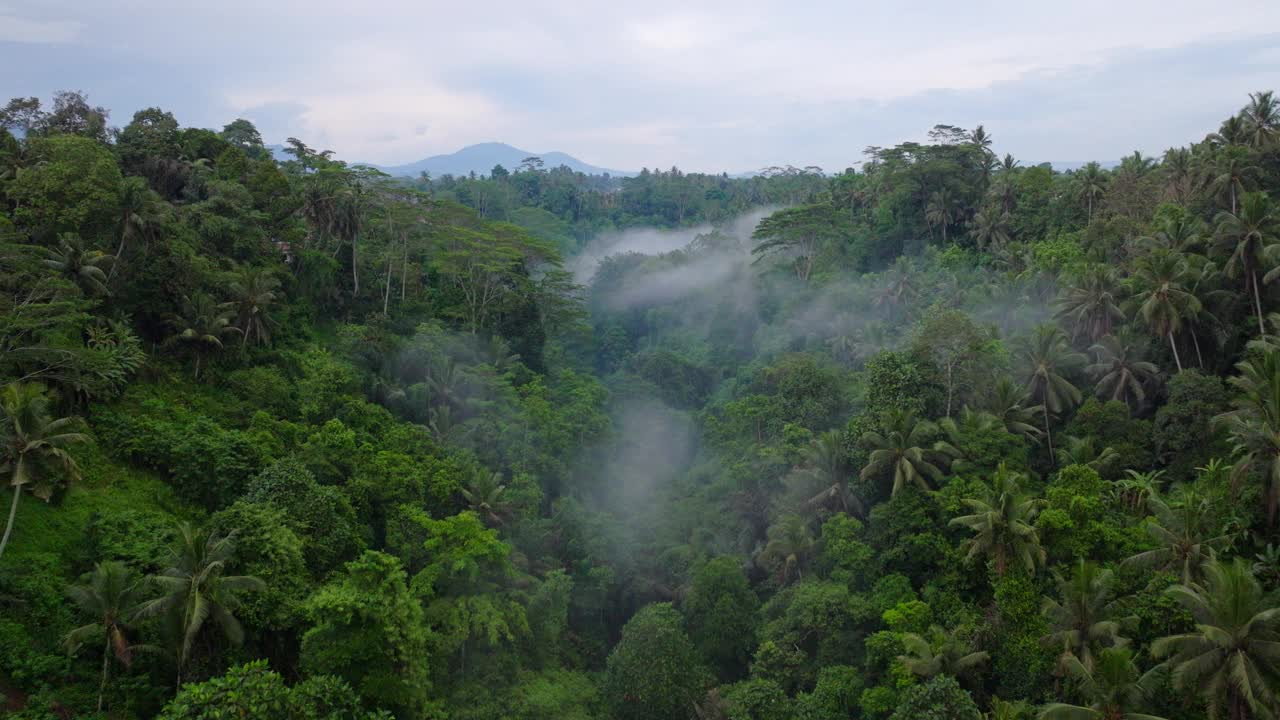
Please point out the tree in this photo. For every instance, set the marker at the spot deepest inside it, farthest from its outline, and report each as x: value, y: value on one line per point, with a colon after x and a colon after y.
x: 82, y: 266
x: 957, y: 346
x: 1003, y: 524
x: 196, y: 588
x: 1228, y: 173
x: 1048, y: 358
x: 654, y: 672
x: 201, y: 326
x: 1120, y: 371
x: 941, y: 211
x: 826, y: 463
x: 789, y: 544
x: 1083, y: 620
x: 799, y: 233
x: 990, y: 228
x: 1233, y: 655
x: 1007, y: 402
x: 941, y: 653
x: 941, y: 698
x: 140, y: 211
x: 1185, y: 536
x: 1091, y: 183
x: 1092, y: 303
x: 483, y: 496
x: 1254, y: 424
x: 719, y: 611
x: 902, y: 446
x: 1249, y: 235
x: 1262, y: 116
x: 1162, y: 296
x: 33, y: 441
x: 253, y: 293
x: 253, y: 690
x: 369, y: 630
x: 1114, y: 689
x: 1085, y: 451
x: 111, y: 598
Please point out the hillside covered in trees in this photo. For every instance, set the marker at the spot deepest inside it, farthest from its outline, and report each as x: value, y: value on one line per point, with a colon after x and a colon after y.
x: 943, y: 436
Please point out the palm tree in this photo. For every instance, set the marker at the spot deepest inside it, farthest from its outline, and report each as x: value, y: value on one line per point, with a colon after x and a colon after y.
x: 1230, y: 171
x: 483, y: 495
x: 1254, y: 423
x: 1232, y: 658
x: 1160, y: 291
x: 1091, y: 183
x: 140, y: 213
x: 940, y: 211
x: 1092, y: 303
x: 1003, y: 524
x: 1114, y: 689
x: 1233, y: 131
x: 201, y: 326
x: 1249, y: 235
x: 942, y: 653
x: 1048, y: 357
x: 253, y: 294
x: 904, y: 448
x: 1178, y: 170
x: 788, y: 546
x: 1085, y: 451
x: 83, y: 267
x: 1083, y: 619
x: 970, y: 423
x: 32, y: 441
x: 826, y: 463
x: 1185, y: 535
x: 196, y: 589
x: 1136, y: 489
x: 111, y: 598
x: 1119, y: 370
x: 1007, y: 401
x: 990, y: 228
x: 1262, y: 117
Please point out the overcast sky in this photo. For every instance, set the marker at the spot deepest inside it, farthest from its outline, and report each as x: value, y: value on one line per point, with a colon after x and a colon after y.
x: 703, y: 85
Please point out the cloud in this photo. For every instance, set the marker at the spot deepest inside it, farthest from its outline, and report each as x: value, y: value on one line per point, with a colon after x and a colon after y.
x: 716, y: 85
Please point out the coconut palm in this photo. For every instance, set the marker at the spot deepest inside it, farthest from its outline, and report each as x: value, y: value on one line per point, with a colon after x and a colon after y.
x: 990, y: 228
x: 141, y: 210
x: 1115, y: 689
x: 788, y: 546
x: 1048, y: 358
x: 483, y: 496
x: 1262, y: 119
x: 1178, y: 171
x: 1231, y: 171
x: 196, y: 589
x: 1254, y: 424
x: 201, y: 326
x: 1091, y: 184
x: 1250, y: 236
x: 902, y: 447
x: 1186, y: 534
x: 1085, y: 451
x: 1135, y: 489
x: 1232, y: 658
x: 84, y: 267
x: 968, y: 423
x: 1092, y: 303
x: 1160, y: 291
x: 941, y: 211
x: 1083, y: 620
x: 253, y: 293
x: 1008, y: 403
x: 941, y: 653
x: 32, y: 445
x: 111, y: 597
x: 826, y: 464
x: 1003, y: 524
x: 1120, y: 371
x: 1233, y: 131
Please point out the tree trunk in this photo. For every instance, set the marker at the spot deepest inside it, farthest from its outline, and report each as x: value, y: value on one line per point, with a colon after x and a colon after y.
x: 404, y: 267
x: 1048, y: 434
x: 386, y: 292
x: 355, y: 270
x: 13, y: 512
x: 1196, y: 341
x: 106, y: 666
x: 1176, y: 360
x: 1257, y: 303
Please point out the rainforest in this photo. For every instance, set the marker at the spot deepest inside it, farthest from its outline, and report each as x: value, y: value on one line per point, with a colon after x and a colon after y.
x: 943, y: 435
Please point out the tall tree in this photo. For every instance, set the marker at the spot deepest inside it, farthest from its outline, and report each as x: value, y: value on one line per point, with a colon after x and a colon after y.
x: 81, y: 265
x: 1120, y: 371
x: 1232, y: 658
x: 1003, y: 524
x: 33, y: 444
x: 111, y: 597
x: 253, y: 293
x: 902, y: 446
x: 1254, y: 424
x: 1160, y: 284
x: 196, y: 589
x: 1092, y: 303
x: 1249, y: 236
x: 1185, y: 533
x: 1083, y: 619
x: 1115, y: 689
x: 201, y: 326
x: 1048, y: 358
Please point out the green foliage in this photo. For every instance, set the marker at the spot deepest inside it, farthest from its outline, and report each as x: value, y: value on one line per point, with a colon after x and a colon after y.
x: 254, y: 690
x: 941, y: 697
x: 719, y: 612
x: 655, y: 672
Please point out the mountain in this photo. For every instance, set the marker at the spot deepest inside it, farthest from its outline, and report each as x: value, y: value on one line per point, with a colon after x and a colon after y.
x: 481, y: 159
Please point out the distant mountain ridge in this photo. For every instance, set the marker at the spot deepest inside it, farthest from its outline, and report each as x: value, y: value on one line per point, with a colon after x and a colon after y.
x: 481, y: 158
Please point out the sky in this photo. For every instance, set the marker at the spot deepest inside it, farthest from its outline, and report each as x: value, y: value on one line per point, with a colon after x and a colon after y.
x: 703, y: 85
